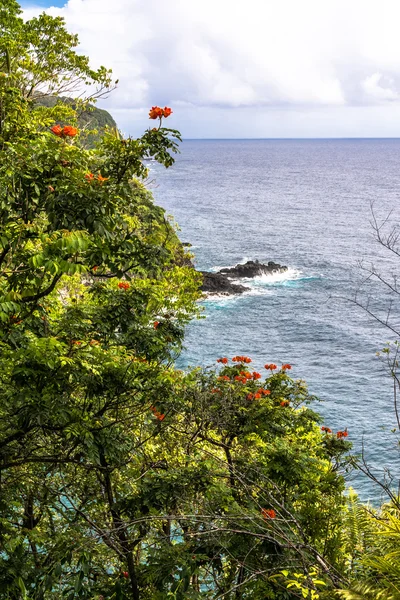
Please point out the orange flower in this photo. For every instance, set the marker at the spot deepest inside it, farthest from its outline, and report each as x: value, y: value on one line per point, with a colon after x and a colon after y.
x: 215, y: 391
x: 69, y: 131
x: 326, y: 429
x: 76, y: 343
x: 256, y: 375
x: 342, y: 434
x: 123, y: 285
x: 101, y: 179
x: 268, y: 513
x: 156, y: 324
x: 89, y: 176
x: 160, y: 417
x: 257, y: 396
x: 285, y: 403
x: 271, y: 367
x: 224, y: 360
x: 94, y: 269
x: 57, y: 130
x: 265, y: 392
x: 156, y: 112
x: 250, y: 396
x: 286, y: 367
x: 224, y: 378
x: 242, y: 359
x: 167, y: 112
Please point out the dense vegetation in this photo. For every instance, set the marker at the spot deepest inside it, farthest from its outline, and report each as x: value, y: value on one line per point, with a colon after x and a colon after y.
x: 120, y: 476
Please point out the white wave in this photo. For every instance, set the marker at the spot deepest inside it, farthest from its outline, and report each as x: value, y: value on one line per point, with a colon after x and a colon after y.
x: 279, y: 277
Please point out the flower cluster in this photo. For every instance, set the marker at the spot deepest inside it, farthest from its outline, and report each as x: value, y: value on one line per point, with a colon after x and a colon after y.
x: 326, y: 429
x: 342, y: 434
x: 224, y: 378
x: 99, y: 178
x: 268, y: 513
x: 156, y: 324
x: 157, y: 112
x: 257, y: 395
x: 64, y: 132
x: 286, y: 367
x: 241, y: 359
x: 271, y: 367
x: 241, y: 378
x: 157, y: 414
x: 224, y: 361
x: 284, y: 403
x: 123, y: 285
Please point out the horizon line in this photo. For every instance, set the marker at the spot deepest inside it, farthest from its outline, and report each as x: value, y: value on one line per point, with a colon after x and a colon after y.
x: 190, y: 139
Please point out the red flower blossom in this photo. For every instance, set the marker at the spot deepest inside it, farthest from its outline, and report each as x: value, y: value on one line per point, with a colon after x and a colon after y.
x: 264, y: 392
x: 57, y: 130
x: 268, y: 513
x: 250, y: 396
x: 284, y: 403
x: 256, y: 375
x: 286, y: 367
x: 156, y: 112
x: 215, y: 391
x: 95, y: 269
x: 224, y: 378
x: 271, y: 367
x: 326, y: 429
x: 125, y: 574
x: 156, y: 324
x: 224, y: 360
x: 342, y: 434
x: 257, y: 395
x: 167, y: 112
x: 241, y: 359
x: 69, y: 131
x: 89, y: 176
x: 123, y: 285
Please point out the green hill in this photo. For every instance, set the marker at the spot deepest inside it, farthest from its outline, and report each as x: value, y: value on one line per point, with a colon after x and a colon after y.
x: 90, y: 118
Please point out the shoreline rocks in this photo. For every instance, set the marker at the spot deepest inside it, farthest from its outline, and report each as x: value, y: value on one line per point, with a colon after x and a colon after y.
x: 220, y: 283
x: 216, y: 283
x: 253, y: 268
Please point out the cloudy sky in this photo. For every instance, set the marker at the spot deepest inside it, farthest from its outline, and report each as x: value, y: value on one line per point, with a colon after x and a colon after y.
x: 246, y: 68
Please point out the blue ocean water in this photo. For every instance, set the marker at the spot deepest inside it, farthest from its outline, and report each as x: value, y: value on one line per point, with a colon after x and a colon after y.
x: 305, y: 204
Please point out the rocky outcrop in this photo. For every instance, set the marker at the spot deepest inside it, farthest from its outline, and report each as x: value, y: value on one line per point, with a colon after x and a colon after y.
x: 216, y: 283
x: 221, y: 282
x: 253, y: 268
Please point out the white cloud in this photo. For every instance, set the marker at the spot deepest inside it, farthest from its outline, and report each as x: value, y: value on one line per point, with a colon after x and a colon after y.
x: 256, y: 55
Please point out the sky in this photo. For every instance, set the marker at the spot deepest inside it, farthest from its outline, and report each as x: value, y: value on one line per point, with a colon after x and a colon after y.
x: 245, y: 68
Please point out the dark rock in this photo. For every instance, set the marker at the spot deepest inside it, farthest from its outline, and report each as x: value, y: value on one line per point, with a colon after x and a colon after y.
x: 253, y: 268
x: 216, y: 283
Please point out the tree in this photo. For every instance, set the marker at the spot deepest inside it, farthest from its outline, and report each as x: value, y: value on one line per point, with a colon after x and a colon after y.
x: 120, y: 476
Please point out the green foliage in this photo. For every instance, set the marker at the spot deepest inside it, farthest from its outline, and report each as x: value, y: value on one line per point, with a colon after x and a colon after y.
x: 374, y: 552
x: 121, y: 477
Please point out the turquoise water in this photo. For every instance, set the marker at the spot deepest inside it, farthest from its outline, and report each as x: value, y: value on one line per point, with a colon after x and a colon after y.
x: 305, y: 204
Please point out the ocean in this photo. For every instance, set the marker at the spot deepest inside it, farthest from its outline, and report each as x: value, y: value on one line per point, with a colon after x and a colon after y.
x: 306, y: 204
